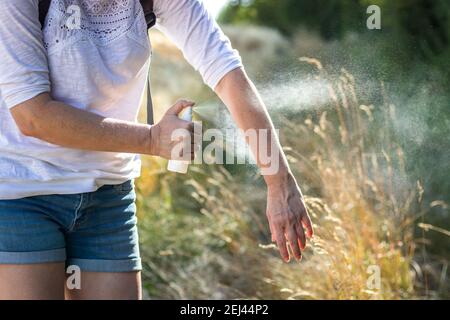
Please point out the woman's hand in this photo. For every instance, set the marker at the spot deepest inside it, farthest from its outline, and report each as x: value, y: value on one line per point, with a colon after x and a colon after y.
x: 173, y: 138
x: 288, y: 217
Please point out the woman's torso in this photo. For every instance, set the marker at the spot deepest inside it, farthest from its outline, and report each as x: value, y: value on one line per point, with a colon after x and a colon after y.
x: 100, y: 65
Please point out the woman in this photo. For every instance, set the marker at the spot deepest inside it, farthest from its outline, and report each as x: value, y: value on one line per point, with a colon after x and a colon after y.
x: 69, y: 140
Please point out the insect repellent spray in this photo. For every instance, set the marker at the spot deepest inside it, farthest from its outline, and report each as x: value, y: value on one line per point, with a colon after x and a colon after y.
x: 181, y: 166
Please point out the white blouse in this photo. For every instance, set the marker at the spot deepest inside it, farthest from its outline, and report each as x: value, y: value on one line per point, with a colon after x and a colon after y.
x: 100, y: 66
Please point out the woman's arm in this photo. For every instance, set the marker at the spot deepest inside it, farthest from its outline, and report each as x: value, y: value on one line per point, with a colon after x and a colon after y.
x: 25, y: 87
x: 66, y: 126
x: 286, y: 210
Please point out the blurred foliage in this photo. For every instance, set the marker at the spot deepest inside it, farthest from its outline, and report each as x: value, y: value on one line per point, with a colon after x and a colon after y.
x: 410, y: 54
x: 426, y: 23
x: 205, y: 235
x: 369, y: 146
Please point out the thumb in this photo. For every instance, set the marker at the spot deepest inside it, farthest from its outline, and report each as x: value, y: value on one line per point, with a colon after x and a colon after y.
x: 179, y: 106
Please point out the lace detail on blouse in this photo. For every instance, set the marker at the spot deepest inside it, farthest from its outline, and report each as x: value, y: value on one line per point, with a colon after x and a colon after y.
x: 102, y: 21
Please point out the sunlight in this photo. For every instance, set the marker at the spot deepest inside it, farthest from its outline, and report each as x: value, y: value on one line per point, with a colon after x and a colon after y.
x: 214, y: 6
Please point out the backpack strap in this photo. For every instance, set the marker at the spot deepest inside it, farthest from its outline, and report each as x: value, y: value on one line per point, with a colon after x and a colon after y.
x: 150, y: 18
x: 43, y: 9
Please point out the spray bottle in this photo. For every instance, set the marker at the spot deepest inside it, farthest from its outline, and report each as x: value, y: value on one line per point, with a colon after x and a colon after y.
x: 181, y: 166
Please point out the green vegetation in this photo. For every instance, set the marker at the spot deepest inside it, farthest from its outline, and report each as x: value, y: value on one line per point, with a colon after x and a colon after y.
x: 410, y: 54
x: 366, y: 128
x: 418, y: 31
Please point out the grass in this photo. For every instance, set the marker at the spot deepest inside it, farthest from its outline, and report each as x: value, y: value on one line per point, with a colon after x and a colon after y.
x: 205, y: 235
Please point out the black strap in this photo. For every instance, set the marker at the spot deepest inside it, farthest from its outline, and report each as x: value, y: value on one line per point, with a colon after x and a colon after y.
x: 43, y: 9
x: 150, y: 18
x: 150, y: 119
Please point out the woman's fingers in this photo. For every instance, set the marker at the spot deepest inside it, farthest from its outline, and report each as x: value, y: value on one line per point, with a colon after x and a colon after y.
x: 281, y: 244
x: 292, y: 234
x: 179, y: 106
x: 272, y: 232
x: 294, y: 243
x: 307, y: 224
x: 301, y: 236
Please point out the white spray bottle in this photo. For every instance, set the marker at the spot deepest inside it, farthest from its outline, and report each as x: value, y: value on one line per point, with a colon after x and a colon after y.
x: 181, y: 166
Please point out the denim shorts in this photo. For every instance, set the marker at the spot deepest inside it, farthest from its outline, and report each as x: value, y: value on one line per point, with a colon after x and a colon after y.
x: 95, y: 231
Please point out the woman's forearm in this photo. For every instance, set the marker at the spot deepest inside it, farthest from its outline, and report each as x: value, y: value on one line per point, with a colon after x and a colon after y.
x: 249, y: 112
x: 67, y: 126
